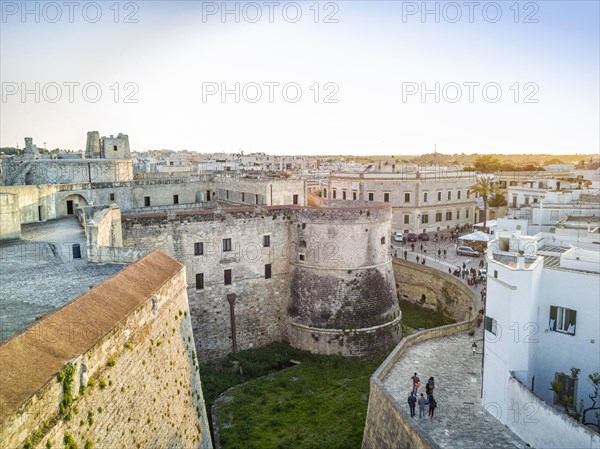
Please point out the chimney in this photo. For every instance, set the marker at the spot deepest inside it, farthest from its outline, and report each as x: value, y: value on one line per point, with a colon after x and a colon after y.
x: 520, y: 260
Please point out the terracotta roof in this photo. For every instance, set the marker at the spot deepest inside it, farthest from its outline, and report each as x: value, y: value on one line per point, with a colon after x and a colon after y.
x: 30, y: 359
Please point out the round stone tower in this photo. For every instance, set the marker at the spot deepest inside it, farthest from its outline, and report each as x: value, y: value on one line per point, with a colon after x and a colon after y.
x: 343, y: 296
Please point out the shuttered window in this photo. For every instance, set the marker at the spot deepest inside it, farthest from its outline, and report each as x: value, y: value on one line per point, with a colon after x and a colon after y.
x: 491, y: 325
x: 563, y: 320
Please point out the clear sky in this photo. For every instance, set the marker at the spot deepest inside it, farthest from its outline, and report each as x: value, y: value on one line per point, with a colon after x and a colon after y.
x: 509, y: 77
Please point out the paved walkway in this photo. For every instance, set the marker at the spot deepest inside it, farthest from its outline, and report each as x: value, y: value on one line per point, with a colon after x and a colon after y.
x: 460, y: 421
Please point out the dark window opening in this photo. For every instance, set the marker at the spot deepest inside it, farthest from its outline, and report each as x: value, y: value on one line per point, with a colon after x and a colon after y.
x: 268, y: 271
x: 226, y: 245
x: 295, y: 199
x: 198, y: 248
x: 266, y: 241
x: 199, y: 281
x: 111, y: 197
x: 147, y: 201
x: 227, y: 277
x: 175, y: 199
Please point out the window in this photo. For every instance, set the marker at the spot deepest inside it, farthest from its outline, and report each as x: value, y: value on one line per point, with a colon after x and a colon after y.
x: 563, y: 319
x: 199, y: 281
x: 568, y: 390
x: 175, y: 199
x: 226, y: 245
x: 467, y: 213
x: 383, y: 240
x: 226, y: 194
x: 448, y: 216
x: 334, y: 194
x: 406, y: 219
x: 458, y: 215
x: 425, y: 218
x: 354, y: 196
x: 370, y: 196
x: 439, y: 196
x: 147, y: 201
x: 424, y: 197
x: 266, y: 241
x: 407, y: 197
x: 438, y: 217
x: 295, y: 199
x: 198, y: 248
x: 301, y: 257
x: 114, y: 148
x: 227, y: 277
x: 302, y: 244
x: 458, y: 194
x: 495, y: 274
x: 491, y: 325
x: 344, y: 195
x: 111, y: 197
x: 386, y: 197
x: 268, y: 271
x: 324, y: 193
x: 449, y: 195
x: 255, y: 199
x: 243, y: 197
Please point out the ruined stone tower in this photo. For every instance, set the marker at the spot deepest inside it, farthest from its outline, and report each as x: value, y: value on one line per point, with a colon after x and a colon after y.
x: 92, y: 146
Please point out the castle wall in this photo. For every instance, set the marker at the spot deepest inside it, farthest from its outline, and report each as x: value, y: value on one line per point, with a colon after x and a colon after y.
x: 340, y: 299
x: 31, y: 198
x: 10, y: 217
x: 441, y: 291
x: 260, y: 305
x: 136, y: 362
x: 67, y: 171
x: 342, y: 282
x: 270, y: 192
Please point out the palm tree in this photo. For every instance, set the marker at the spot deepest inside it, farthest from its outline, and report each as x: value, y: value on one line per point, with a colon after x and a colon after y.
x: 485, y: 187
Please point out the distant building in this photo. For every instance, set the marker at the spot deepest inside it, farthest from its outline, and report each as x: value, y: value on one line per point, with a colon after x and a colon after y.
x: 422, y: 201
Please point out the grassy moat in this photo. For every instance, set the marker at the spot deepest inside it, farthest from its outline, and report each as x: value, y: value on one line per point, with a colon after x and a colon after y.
x: 319, y: 403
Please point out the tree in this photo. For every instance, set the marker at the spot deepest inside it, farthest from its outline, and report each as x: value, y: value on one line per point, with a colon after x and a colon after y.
x: 498, y: 200
x: 487, y: 163
x: 485, y: 187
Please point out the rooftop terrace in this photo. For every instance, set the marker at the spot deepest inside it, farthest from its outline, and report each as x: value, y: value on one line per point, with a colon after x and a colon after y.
x: 39, y: 274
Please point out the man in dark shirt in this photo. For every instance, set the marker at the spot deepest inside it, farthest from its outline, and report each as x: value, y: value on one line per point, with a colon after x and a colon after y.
x: 412, y: 402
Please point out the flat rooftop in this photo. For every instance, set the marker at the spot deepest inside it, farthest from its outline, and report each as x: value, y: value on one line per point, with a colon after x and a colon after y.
x: 511, y: 261
x: 38, y: 273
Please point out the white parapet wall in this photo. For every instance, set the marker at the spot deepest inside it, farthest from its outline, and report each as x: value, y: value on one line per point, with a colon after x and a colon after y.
x: 543, y: 426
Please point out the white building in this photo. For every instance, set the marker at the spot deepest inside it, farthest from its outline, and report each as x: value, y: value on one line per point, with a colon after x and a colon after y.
x: 542, y: 319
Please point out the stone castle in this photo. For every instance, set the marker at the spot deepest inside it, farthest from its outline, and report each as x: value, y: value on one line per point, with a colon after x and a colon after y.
x: 256, y: 264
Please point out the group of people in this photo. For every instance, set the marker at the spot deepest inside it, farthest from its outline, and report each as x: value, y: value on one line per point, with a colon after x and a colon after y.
x: 414, y: 399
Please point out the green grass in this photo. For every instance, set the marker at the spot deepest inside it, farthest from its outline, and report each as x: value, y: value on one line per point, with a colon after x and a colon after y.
x: 415, y: 317
x: 321, y: 403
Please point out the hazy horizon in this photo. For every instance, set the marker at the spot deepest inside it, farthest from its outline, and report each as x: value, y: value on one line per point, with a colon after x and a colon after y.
x: 373, y: 78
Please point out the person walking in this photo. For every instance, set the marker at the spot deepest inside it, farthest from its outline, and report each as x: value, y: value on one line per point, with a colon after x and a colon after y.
x: 429, y: 388
x: 405, y: 255
x: 439, y: 254
x: 417, y: 259
x: 422, y: 403
x: 412, y: 402
x: 432, y: 406
x: 412, y: 247
x: 444, y: 253
x: 416, y: 384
